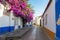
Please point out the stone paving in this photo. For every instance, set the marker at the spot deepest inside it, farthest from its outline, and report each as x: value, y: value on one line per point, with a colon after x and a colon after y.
x: 17, y: 34
x: 35, y: 34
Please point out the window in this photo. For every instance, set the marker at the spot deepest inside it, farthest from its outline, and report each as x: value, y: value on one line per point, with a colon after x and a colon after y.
x: 46, y: 19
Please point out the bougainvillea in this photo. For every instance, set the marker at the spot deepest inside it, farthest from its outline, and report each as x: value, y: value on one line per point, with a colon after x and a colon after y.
x: 29, y: 17
x: 0, y: 0
x: 23, y: 5
x: 19, y: 8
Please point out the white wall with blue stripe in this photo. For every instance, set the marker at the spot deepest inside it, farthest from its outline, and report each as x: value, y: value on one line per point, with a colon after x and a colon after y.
x: 4, y: 21
x: 8, y: 25
x: 4, y: 25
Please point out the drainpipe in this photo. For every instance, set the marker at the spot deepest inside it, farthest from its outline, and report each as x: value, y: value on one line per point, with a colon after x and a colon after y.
x: 16, y: 23
x: 40, y: 22
x: 10, y: 20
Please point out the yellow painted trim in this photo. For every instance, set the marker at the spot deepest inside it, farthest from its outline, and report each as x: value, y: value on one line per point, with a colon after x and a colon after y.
x: 49, y: 33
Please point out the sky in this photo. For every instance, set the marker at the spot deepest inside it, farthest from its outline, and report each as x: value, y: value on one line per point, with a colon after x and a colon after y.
x: 38, y: 6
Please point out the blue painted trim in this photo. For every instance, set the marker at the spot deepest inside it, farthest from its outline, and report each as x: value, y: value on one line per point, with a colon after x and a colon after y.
x: 30, y: 25
x: 26, y: 26
x: 57, y: 11
x: 6, y: 29
x: 19, y: 27
x: 11, y: 28
x: 57, y: 38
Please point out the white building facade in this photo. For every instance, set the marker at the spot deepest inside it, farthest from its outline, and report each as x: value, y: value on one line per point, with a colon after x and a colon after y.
x: 8, y: 22
x: 48, y: 20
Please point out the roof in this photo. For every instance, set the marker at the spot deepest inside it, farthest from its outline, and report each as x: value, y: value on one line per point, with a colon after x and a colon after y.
x: 47, y: 7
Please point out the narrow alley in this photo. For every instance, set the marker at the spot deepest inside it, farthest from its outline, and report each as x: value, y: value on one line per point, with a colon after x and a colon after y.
x: 36, y: 33
x: 29, y: 20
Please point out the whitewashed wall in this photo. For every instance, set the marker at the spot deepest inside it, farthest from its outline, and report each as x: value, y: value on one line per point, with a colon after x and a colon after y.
x: 16, y: 22
x: 20, y: 22
x: 41, y: 21
x: 11, y: 22
x: 7, y: 23
x: 4, y: 21
x: 50, y: 17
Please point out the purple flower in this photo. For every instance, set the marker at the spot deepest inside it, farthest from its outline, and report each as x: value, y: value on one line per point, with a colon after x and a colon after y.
x: 0, y: 1
x: 23, y: 4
